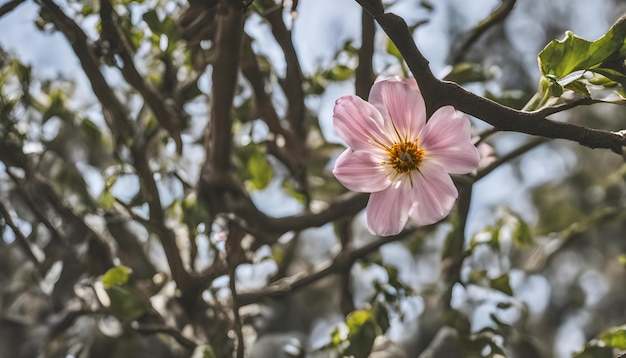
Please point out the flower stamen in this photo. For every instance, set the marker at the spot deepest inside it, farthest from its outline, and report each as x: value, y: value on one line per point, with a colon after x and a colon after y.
x: 405, y: 156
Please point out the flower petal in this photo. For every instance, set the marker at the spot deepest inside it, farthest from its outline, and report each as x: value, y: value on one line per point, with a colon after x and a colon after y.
x: 434, y: 194
x: 401, y: 106
x: 409, y: 81
x: 388, y: 210
x: 358, y: 123
x: 447, y: 140
x: 361, y: 171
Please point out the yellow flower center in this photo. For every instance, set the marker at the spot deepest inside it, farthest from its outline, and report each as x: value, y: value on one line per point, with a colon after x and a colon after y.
x: 405, y: 156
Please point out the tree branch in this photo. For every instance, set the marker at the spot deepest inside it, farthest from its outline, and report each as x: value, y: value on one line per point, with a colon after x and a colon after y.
x: 10, y: 6
x: 439, y: 93
x: 364, y: 75
x: 505, y: 158
x: 496, y: 16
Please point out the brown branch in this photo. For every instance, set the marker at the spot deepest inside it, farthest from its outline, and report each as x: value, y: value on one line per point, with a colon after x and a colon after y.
x: 162, y: 108
x: 227, y: 45
x: 114, y: 113
x: 364, y: 74
x: 496, y: 16
x: 439, y: 93
x: 234, y: 256
x: 8, y: 7
x: 19, y: 236
x: 157, y: 221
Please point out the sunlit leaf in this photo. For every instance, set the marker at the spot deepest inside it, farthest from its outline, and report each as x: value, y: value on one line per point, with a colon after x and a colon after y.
x: 615, y: 337
x: 393, y: 50
x: 260, y: 171
x: 116, y: 276
x: 338, y: 73
x: 562, y: 57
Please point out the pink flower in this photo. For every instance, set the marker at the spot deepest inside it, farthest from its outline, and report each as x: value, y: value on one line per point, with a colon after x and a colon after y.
x: 400, y: 159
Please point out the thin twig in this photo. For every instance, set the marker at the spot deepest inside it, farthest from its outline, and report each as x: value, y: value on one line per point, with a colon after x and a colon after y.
x: 505, y: 158
x: 8, y: 7
x: 496, y: 16
x: 170, y: 331
x: 19, y: 236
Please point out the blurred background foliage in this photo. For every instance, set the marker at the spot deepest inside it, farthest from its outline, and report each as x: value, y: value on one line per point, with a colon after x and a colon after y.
x: 125, y: 232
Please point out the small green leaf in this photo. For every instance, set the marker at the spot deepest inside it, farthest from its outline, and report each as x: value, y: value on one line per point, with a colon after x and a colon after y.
x: 126, y: 305
x: 208, y: 353
x: 362, y: 330
x: 522, y: 235
x: 106, y: 200
x: 615, y: 337
x: 336, y: 338
x: 260, y: 171
x: 381, y: 314
x: 393, y: 50
x: 152, y: 20
x: 595, y: 352
x: 622, y: 259
x: 502, y: 284
x: 116, y: 276
x: 338, y: 73
x: 579, y: 88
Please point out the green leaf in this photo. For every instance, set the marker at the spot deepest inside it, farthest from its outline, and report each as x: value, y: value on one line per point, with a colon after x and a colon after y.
x: 615, y: 337
x: 522, y: 235
x: 338, y: 73
x: 106, y: 200
x: 362, y: 330
x: 622, y: 260
x: 579, y: 88
x: 126, y: 304
x: 208, y: 353
x: 502, y: 284
x: 596, y: 352
x: 393, y: 50
x: 116, y: 276
x: 152, y: 20
x: 562, y: 57
x: 381, y: 314
x: 260, y: 171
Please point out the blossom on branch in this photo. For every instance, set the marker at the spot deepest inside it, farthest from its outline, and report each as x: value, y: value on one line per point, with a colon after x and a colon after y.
x: 400, y: 159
